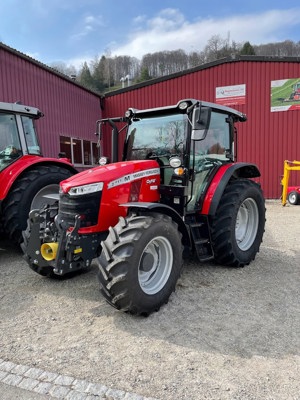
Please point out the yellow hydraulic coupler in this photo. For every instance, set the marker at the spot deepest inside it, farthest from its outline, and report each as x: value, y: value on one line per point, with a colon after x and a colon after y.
x: 288, y: 166
x: 49, y: 250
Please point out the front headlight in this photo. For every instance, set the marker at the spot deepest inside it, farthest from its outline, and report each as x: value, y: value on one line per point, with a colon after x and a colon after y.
x: 86, y: 189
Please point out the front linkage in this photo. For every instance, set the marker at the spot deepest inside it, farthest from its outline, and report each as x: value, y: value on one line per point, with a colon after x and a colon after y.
x: 52, y: 248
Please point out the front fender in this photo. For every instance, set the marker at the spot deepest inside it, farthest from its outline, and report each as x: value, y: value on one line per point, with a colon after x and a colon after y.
x: 220, y: 181
x: 162, y: 209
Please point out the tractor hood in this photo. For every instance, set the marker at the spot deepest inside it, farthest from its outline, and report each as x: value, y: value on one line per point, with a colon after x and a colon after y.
x: 112, y: 175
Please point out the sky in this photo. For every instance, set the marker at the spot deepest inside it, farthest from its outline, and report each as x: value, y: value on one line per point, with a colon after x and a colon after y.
x: 72, y: 32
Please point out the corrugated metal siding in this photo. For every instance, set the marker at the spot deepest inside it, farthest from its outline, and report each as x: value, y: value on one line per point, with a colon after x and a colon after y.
x: 69, y: 109
x: 266, y: 139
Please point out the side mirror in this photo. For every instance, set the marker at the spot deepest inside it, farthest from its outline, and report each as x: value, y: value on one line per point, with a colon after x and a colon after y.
x: 200, y: 122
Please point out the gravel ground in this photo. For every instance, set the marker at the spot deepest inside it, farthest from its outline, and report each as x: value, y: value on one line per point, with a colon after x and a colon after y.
x: 225, y: 333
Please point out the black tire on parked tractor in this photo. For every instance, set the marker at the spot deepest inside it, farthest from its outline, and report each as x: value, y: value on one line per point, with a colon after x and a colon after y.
x: 28, y: 193
x: 239, y: 223
x: 293, y: 198
x: 140, y: 263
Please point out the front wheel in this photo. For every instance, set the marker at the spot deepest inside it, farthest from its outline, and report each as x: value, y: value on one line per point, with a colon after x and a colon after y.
x: 140, y: 263
x: 238, y: 226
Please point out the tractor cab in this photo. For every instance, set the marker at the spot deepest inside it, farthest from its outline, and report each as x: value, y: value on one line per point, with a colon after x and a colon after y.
x: 17, y: 133
x: 189, y: 141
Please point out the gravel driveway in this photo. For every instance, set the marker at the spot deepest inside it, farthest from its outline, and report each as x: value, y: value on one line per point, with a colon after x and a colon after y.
x: 225, y: 333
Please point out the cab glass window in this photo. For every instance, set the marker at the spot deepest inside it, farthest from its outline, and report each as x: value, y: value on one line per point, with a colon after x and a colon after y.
x: 217, y: 140
x: 156, y: 136
x: 30, y: 136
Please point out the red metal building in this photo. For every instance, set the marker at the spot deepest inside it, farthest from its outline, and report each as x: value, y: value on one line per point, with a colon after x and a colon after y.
x: 258, y: 86
x: 270, y: 135
x: 70, y: 110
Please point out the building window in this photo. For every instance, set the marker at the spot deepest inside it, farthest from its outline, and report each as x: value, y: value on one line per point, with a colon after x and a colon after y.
x: 65, y: 146
x: 77, y: 151
x: 81, y: 152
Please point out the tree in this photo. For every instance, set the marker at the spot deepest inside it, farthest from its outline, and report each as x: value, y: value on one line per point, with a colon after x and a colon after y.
x: 63, y: 68
x: 85, y: 77
x: 144, y: 75
x: 247, y: 50
x: 98, y: 74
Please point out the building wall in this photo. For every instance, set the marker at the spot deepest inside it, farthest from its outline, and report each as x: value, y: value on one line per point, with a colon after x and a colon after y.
x: 266, y: 139
x: 69, y: 109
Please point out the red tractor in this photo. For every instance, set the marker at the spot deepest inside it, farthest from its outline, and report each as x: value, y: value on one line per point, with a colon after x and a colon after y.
x: 295, y: 95
x: 28, y: 180
x: 176, y: 192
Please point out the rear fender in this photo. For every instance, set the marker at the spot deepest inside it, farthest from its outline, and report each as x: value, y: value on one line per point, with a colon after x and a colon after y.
x: 162, y: 209
x: 9, y: 175
x: 220, y: 181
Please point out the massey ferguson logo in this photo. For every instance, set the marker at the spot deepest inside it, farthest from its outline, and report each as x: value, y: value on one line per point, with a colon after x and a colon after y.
x: 134, y: 177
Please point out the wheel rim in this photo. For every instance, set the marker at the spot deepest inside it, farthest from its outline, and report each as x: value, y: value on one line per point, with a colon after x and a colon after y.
x: 46, y: 196
x: 292, y: 198
x: 155, y: 265
x: 246, y: 224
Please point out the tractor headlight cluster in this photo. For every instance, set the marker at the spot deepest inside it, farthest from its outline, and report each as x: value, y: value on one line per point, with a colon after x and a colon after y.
x: 86, y: 189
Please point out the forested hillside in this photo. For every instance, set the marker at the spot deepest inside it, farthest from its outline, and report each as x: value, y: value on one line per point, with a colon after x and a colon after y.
x: 106, y: 73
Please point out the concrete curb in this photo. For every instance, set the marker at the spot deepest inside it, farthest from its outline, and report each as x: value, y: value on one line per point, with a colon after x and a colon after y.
x: 59, y: 386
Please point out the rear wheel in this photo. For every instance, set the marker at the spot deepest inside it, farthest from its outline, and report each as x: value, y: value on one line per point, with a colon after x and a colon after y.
x: 140, y: 263
x: 293, y: 198
x: 238, y: 225
x: 32, y: 191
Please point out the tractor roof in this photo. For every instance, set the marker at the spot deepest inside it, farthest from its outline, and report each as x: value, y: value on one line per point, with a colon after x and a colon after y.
x: 179, y: 107
x: 21, y: 109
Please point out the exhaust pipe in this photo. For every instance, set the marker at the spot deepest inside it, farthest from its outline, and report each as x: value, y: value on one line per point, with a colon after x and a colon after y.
x: 49, y: 250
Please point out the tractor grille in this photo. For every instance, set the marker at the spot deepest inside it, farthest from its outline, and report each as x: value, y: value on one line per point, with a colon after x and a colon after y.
x: 86, y: 206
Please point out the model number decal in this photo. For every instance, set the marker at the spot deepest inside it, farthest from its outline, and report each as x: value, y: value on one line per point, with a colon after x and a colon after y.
x: 133, y: 177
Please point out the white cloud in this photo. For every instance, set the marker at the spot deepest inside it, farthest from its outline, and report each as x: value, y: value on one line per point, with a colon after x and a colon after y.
x: 88, y: 25
x: 169, y: 30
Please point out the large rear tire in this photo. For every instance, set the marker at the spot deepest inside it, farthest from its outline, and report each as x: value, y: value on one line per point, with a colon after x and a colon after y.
x: 31, y: 191
x: 140, y: 263
x: 238, y: 225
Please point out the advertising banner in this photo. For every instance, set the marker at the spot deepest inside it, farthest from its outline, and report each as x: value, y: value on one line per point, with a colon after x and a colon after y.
x: 231, y: 95
x: 285, y: 95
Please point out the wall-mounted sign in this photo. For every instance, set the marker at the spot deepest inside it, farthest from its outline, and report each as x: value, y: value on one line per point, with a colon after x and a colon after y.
x: 231, y: 95
x: 285, y: 95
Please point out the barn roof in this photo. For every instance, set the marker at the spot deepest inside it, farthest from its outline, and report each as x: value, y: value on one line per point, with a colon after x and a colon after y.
x: 45, y: 67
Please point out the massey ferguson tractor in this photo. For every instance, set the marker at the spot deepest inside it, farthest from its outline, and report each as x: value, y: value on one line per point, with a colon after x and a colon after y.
x: 27, y: 180
x: 176, y: 193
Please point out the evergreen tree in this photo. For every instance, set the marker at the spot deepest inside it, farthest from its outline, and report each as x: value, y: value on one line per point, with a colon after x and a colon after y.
x: 144, y: 75
x: 85, y: 77
x: 99, y: 74
x: 247, y: 50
